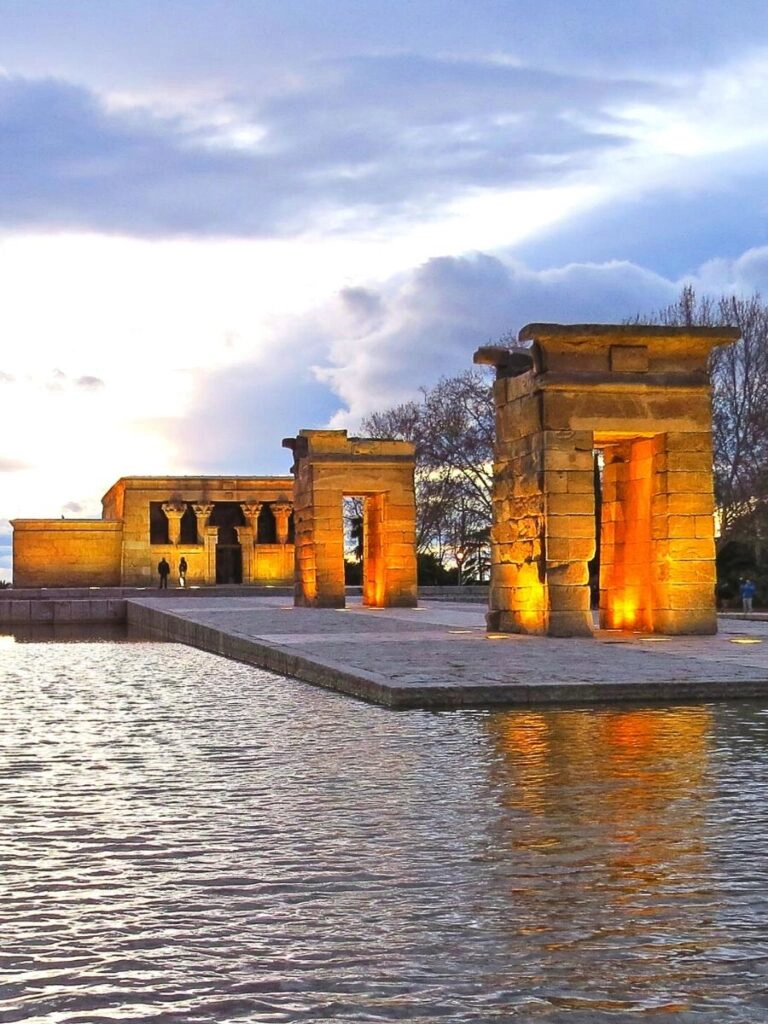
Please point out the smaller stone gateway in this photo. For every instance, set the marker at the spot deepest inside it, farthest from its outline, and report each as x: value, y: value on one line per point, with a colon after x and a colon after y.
x: 640, y: 397
x: 328, y: 467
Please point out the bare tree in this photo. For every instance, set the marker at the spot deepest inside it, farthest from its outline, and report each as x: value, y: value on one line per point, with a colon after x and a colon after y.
x: 452, y: 427
x: 739, y: 407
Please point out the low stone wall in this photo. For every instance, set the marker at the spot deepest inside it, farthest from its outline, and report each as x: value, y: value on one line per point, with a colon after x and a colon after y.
x: 62, y: 609
x: 474, y: 594
x: 101, y: 604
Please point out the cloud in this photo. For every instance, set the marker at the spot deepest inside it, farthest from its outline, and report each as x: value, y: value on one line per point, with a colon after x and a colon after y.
x: 12, y: 465
x: 240, y: 416
x: 58, y: 380
x: 376, y: 344
x: 340, y: 141
x: 88, y: 383
x: 435, y: 317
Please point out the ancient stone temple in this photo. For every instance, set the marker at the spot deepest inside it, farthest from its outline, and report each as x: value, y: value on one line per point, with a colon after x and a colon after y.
x: 229, y: 530
x: 329, y: 466
x: 603, y: 448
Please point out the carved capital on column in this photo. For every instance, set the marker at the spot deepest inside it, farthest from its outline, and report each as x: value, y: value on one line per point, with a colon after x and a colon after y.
x: 174, y: 510
x: 202, y: 512
x: 251, y: 510
x: 281, y: 510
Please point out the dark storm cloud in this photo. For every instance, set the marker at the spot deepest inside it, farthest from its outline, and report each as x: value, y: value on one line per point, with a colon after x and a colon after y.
x: 366, y: 135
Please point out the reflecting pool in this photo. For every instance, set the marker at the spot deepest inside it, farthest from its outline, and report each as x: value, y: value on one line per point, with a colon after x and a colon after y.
x: 186, y: 839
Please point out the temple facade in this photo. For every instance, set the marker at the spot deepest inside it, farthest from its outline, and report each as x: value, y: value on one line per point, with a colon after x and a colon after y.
x: 229, y: 530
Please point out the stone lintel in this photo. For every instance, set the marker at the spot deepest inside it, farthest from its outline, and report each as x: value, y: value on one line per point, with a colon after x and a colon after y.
x: 655, y: 336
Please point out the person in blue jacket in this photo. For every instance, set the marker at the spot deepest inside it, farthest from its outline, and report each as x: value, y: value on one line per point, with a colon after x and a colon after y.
x: 747, y: 591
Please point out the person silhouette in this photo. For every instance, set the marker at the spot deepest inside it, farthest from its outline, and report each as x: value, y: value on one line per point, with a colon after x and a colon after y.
x: 163, y: 569
x: 182, y: 572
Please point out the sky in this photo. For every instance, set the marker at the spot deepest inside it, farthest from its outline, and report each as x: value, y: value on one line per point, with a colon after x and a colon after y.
x: 223, y: 221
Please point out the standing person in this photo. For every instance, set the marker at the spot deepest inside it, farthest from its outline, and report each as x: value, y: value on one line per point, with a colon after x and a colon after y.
x: 182, y: 572
x: 163, y: 569
x: 747, y: 591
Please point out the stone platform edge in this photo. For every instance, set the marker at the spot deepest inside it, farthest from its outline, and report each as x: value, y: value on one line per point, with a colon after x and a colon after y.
x: 368, y: 686
x: 93, y: 605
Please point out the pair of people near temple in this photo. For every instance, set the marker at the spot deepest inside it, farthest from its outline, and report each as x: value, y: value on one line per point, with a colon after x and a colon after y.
x: 164, y: 571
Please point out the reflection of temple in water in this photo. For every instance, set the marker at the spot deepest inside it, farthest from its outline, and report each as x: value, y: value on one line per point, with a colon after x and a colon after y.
x: 622, y: 764
x: 619, y: 797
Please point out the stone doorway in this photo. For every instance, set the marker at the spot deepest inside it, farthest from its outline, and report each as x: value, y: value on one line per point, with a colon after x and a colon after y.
x: 641, y: 396
x: 227, y: 516
x: 229, y: 563
x: 329, y: 466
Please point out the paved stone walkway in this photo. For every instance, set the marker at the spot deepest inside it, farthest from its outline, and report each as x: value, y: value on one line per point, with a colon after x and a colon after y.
x: 439, y: 655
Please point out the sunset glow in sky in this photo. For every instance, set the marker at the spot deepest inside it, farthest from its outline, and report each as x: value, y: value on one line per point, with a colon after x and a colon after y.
x: 224, y: 221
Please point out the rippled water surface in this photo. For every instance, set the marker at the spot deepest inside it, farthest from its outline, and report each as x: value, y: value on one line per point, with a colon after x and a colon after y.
x: 187, y: 839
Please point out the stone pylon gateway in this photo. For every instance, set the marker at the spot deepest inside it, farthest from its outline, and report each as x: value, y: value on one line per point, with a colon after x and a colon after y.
x: 641, y: 397
x: 329, y: 466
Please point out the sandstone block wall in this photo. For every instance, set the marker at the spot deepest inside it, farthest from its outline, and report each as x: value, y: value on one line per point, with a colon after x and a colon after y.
x: 66, y: 552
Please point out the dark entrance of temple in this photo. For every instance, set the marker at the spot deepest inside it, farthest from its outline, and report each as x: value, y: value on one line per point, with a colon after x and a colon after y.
x: 229, y: 556
x: 229, y: 563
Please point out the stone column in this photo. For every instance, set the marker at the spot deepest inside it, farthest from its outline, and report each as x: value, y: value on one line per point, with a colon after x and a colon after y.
x: 518, y: 592
x: 174, y: 511
x: 374, y: 574
x: 281, y: 510
x: 246, y: 540
x: 251, y: 510
x: 203, y: 512
x: 210, y: 540
x: 569, y: 529
x: 683, y: 527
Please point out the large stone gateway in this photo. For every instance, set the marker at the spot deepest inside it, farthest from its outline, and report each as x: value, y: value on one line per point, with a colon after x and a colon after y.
x: 636, y: 400
x: 329, y: 466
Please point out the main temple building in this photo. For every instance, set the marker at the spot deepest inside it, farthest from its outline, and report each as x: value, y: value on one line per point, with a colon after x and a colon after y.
x: 229, y: 530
